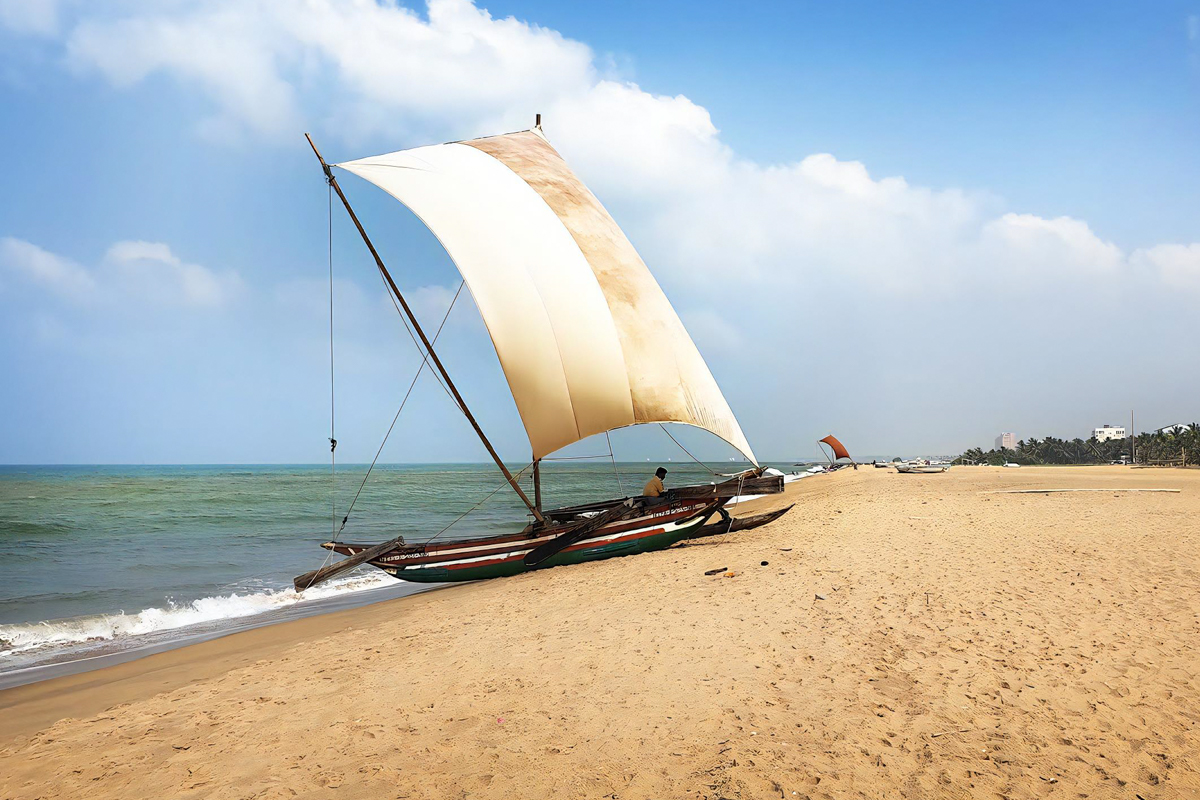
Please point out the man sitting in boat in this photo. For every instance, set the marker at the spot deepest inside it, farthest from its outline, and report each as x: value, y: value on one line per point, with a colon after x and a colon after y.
x: 654, y: 487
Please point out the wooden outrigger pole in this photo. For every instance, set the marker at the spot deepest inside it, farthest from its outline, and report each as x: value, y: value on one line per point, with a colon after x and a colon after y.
x: 437, y: 362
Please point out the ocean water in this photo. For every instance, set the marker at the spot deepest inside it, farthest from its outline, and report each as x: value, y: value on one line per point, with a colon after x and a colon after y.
x: 104, y: 563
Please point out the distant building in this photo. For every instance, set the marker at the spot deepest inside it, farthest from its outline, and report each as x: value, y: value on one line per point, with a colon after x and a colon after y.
x: 1006, y: 441
x: 1172, y: 430
x: 1109, y: 432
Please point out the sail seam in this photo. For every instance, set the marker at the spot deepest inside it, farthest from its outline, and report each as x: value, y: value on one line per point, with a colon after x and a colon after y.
x: 557, y: 347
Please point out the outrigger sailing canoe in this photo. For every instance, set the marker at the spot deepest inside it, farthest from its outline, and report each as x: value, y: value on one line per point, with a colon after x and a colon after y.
x: 587, y: 340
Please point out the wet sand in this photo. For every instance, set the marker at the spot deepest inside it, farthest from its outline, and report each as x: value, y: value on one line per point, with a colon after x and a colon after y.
x: 910, y: 636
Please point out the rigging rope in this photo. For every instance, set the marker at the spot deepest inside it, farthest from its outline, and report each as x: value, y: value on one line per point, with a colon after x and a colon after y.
x: 424, y: 362
x: 332, y: 414
x: 614, y: 462
x: 684, y: 449
x: 516, y: 477
x: 404, y: 320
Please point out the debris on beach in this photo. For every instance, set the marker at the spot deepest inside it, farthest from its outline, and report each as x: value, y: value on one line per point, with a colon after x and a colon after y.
x: 821, y: 597
x: 716, y: 571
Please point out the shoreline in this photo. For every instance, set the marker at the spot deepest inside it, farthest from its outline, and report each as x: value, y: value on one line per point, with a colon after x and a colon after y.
x: 908, y: 634
x: 28, y: 706
x: 58, y: 663
x: 31, y: 665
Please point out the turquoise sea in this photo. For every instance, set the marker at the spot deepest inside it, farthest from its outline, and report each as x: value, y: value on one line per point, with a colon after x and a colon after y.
x: 101, y: 563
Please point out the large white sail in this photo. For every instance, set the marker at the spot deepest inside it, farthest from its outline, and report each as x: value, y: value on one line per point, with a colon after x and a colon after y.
x: 585, y: 335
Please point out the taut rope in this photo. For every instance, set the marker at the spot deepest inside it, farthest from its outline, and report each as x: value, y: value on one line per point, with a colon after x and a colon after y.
x: 332, y: 414
x: 684, y: 449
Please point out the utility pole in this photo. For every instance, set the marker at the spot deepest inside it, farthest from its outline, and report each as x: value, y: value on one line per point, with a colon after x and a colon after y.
x: 1132, y: 440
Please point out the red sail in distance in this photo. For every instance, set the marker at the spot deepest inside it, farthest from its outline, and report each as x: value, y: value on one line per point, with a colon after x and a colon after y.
x: 839, y: 449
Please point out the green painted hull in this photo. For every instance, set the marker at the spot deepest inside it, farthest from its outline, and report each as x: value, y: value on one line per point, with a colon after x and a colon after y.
x: 516, y: 565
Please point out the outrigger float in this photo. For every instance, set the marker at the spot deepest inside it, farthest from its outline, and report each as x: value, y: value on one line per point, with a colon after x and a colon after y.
x: 588, y: 343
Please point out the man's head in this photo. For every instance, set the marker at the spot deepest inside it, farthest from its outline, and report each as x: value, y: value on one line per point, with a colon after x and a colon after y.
x: 660, y: 473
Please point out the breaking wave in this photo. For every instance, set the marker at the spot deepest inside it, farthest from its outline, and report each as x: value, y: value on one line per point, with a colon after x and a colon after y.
x: 31, y: 636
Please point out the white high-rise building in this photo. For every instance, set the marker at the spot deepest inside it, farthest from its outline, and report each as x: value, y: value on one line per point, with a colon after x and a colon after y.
x: 1006, y: 441
x: 1103, y: 434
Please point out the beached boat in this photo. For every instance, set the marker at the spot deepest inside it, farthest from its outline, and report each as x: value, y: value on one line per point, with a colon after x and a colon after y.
x: 587, y: 341
x: 921, y: 468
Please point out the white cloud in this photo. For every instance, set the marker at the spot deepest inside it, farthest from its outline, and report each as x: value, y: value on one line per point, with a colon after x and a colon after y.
x: 366, y: 61
x: 30, y: 16
x: 1177, y: 265
x: 147, y: 273
x: 150, y: 269
x: 787, y: 253
x: 1034, y: 244
x: 690, y: 202
x: 49, y: 270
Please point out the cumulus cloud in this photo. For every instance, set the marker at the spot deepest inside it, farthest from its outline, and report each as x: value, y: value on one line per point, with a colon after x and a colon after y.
x: 366, y: 60
x: 694, y: 205
x: 1034, y: 244
x: 152, y: 270
x: 54, y: 272
x: 146, y: 273
x: 1177, y: 265
x: 750, y: 252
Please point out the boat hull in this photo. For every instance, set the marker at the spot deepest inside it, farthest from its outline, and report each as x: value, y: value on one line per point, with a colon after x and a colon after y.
x: 504, y: 556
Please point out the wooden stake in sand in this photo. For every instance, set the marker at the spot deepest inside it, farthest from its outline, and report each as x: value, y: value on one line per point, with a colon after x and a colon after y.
x: 1049, y: 491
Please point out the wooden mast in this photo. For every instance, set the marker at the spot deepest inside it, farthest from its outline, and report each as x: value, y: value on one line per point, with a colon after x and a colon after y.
x: 437, y: 362
x: 537, y: 483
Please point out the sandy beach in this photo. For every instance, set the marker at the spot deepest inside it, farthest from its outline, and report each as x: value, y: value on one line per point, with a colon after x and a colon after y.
x: 908, y: 636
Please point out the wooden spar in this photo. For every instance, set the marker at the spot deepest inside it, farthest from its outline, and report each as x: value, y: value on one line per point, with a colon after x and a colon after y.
x: 437, y: 362
x: 580, y: 531
x: 537, y: 483
x: 309, y: 579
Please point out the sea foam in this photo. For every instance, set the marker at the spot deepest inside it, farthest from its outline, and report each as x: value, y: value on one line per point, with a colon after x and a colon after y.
x: 31, y: 636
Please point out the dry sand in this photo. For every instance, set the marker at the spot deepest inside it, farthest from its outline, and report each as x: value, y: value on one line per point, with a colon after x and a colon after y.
x: 969, y: 645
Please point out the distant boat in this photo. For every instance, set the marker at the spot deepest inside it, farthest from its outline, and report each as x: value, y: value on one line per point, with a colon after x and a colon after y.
x: 587, y: 341
x: 839, y: 456
x: 921, y: 468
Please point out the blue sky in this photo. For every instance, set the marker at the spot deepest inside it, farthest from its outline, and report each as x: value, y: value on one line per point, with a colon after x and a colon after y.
x: 913, y: 226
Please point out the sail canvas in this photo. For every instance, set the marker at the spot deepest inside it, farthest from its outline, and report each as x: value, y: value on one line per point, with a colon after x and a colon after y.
x: 587, y: 339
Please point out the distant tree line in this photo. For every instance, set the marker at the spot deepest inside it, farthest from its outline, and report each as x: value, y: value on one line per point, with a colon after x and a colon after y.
x: 1151, y: 447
